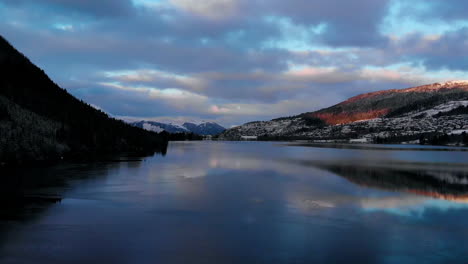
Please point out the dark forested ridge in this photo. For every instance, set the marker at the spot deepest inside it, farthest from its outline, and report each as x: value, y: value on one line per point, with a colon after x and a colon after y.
x: 41, y: 121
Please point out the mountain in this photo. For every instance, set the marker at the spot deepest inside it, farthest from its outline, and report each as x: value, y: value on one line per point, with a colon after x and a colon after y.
x: 41, y: 121
x: 159, y: 127
x: 427, y: 112
x: 391, y: 103
x: 203, y: 129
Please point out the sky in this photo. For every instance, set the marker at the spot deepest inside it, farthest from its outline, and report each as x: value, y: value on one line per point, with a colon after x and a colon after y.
x: 236, y: 61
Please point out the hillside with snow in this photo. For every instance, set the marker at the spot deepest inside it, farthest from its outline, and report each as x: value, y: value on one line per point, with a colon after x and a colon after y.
x: 416, y: 114
x: 201, y: 128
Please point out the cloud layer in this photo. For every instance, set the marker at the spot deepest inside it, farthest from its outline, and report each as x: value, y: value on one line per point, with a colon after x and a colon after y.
x: 234, y: 61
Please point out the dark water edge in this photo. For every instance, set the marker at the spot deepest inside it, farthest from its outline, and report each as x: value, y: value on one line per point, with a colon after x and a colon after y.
x: 83, y: 157
x: 27, y: 192
x: 241, y: 202
x: 30, y: 187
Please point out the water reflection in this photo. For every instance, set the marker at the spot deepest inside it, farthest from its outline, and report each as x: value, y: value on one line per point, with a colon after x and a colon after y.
x: 229, y: 202
x: 413, y: 184
x: 25, y: 192
x: 441, y: 183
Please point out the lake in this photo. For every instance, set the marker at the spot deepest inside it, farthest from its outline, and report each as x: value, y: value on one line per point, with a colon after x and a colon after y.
x: 247, y: 202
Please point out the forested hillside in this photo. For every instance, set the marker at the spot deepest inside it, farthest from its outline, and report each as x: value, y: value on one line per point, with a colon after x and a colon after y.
x: 392, y: 103
x: 430, y: 114
x: 41, y: 121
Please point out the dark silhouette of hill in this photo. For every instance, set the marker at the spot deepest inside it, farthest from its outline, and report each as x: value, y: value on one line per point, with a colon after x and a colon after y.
x: 41, y: 121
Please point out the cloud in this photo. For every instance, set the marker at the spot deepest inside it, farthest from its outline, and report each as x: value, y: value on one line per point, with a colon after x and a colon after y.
x: 425, y: 17
x: 443, y: 51
x: 175, y: 99
x: 236, y: 60
x: 349, y: 23
x: 158, y: 78
x: 211, y: 9
x: 318, y: 75
x: 91, y: 7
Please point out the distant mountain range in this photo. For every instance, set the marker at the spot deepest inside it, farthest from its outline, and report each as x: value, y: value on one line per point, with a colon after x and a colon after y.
x: 429, y: 113
x: 202, y: 129
x: 41, y: 121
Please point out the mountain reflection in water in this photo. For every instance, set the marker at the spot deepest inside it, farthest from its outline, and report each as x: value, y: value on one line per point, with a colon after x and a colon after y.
x: 242, y: 202
x: 447, y: 184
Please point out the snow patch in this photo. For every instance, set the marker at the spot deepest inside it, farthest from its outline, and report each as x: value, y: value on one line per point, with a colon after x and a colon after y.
x: 446, y: 107
x: 153, y: 128
x: 455, y: 82
x: 178, y: 126
x: 359, y: 140
x: 459, y: 132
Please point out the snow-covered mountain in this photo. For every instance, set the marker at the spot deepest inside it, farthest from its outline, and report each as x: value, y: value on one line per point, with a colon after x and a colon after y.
x: 159, y: 127
x: 207, y: 128
x: 203, y: 129
x: 408, y: 115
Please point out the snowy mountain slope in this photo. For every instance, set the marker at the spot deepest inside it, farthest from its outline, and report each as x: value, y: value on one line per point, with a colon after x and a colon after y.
x: 391, y: 103
x: 159, y: 127
x: 207, y: 128
x: 442, y: 108
x: 153, y: 128
x: 408, y: 113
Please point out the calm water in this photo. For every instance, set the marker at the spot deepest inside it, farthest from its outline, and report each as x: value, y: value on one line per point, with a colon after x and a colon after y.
x: 249, y: 202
